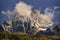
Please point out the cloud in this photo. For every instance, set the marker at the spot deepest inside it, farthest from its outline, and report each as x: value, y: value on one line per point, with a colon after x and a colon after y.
x: 56, y: 7
x: 46, y: 20
x: 56, y: 17
x: 9, y: 14
x: 49, y: 12
x: 42, y: 19
x: 23, y: 9
x: 47, y: 17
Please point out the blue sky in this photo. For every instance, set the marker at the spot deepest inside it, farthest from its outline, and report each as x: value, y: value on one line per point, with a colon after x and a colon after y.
x: 37, y: 4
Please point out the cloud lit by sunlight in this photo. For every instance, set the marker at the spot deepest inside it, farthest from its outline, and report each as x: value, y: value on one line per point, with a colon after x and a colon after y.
x: 23, y: 9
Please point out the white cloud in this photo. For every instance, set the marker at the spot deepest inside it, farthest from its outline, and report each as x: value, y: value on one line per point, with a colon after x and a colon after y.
x: 49, y: 12
x: 23, y: 9
x: 56, y: 7
x: 9, y: 14
x: 42, y: 19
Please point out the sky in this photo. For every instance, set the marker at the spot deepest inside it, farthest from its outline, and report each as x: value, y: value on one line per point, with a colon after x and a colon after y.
x: 36, y: 4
